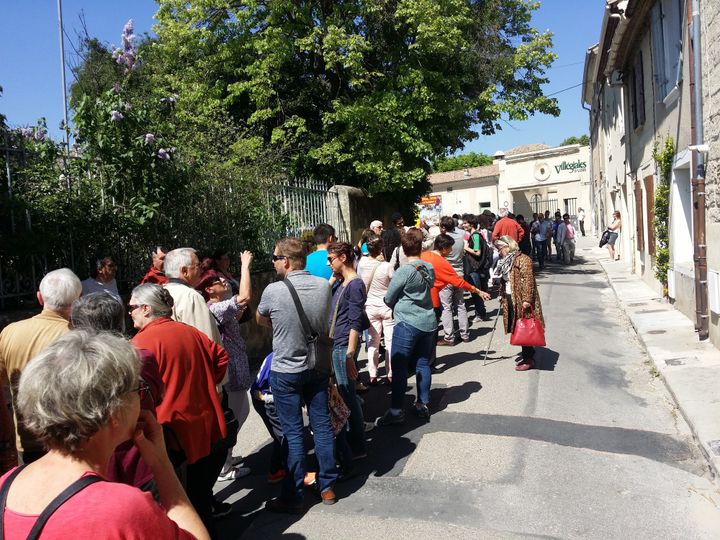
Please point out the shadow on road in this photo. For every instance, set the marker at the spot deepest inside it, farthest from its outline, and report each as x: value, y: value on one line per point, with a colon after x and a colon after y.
x: 546, y: 359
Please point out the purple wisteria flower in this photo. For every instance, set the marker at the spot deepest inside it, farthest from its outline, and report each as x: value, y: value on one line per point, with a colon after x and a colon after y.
x: 149, y: 138
x: 116, y: 116
x: 163, y: 154
x: 127, y: 56
x: 26, y: 132
x: 40, y: 134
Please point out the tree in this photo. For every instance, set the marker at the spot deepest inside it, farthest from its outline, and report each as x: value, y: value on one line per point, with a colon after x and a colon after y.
x: 463, y: 161
x: 365, y: 92
x: 582, y: 140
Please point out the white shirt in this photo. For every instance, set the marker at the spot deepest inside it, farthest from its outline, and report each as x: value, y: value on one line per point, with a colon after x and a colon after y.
x: 92, y: 285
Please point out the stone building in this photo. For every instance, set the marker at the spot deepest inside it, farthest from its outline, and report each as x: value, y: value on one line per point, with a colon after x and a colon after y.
x: 639, y: 86
x: 526, y: 179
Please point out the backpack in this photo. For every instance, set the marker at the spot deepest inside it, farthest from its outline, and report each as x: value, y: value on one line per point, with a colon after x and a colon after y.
x: 479, y: 263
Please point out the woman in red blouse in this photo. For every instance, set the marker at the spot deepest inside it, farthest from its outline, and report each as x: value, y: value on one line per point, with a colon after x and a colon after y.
x: 191, y: 366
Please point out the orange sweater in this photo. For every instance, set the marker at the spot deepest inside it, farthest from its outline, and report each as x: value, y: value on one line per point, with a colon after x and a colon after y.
x: 190, y: 365
x: 444, y: 275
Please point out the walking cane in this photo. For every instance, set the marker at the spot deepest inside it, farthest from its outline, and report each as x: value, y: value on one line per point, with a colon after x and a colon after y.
x: 491, y: 335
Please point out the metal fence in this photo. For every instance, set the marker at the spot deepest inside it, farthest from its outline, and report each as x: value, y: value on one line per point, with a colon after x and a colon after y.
x: 296, y: 206
x: 306, y: 203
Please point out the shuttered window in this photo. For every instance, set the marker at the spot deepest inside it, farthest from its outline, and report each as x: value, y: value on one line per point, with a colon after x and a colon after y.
x: 638, y: 92
x: 640, y: 230
x: 650, y: 211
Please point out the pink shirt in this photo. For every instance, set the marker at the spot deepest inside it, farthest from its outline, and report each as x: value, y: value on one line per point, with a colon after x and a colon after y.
x: 570, y: 232
x: 101, y: 511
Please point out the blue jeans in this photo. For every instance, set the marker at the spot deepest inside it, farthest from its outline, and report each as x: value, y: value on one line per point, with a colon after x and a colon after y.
x: 410, y: 345
x: 289, y: 392
x: 481, y: 283
x: 346, y: 387
x: 540, y: 249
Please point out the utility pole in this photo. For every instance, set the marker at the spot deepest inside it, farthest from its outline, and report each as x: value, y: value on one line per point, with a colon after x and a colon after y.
x: 66, y: 141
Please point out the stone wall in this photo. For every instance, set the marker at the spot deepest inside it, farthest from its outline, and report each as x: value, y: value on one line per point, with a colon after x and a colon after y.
x: 710, y: 22
x: 357, y: 210
x: 258, y: 339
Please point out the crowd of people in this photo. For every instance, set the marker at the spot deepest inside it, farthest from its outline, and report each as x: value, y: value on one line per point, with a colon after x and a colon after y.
x: 149, y: 415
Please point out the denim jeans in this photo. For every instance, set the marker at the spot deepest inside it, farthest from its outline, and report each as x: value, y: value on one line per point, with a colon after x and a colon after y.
x: 540, y: 247
x: 272, y: 423
x: 481, y: 283
x: 346, y: 387
x: 289, y: 391
x: 411, y: 345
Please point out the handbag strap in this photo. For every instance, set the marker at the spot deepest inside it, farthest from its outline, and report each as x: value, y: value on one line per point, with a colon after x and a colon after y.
x: 337, y: 306
x: 372, y: 276
x: 70, y: 491
x: 310, y: 334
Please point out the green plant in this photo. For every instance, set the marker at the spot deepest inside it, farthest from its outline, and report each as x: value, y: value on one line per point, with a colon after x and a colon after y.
x: 664, y: 156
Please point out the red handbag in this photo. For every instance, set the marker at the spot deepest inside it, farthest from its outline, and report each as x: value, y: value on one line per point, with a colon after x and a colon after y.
x: 528, y: 332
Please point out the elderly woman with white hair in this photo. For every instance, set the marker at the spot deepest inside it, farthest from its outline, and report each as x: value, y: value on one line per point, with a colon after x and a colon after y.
x: 191, y: 365
x: 81, y: 397
x: 518, y: 292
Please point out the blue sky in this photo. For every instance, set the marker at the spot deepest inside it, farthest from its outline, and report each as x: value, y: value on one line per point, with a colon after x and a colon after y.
x: 30, y: 61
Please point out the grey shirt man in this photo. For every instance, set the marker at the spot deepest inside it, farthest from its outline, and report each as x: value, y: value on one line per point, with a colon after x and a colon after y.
x: 456, y: 256
x: 289, y: 343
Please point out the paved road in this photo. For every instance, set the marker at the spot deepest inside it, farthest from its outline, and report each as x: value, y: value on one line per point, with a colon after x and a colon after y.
x: 589, y: 445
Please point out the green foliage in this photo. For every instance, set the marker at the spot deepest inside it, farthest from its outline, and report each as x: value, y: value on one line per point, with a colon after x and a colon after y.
x: 363, y: 92
x: 582, y: 140
x: 664, y: 156
x: 138, y: 174
x: 454, y: 163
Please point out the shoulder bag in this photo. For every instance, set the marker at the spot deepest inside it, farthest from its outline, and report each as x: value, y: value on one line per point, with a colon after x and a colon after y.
x: 319, y: 356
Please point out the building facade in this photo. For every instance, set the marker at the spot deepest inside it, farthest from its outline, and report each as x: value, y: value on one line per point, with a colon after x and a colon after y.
x: 639, y: 84
x: 528, y: 179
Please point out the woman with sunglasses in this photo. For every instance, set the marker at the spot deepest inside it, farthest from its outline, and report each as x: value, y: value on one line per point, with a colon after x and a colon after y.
x: 228, y: 308
x: 191, y: 365
x: 518, y: 292
x: 346, y: 325
x: 80, y: 397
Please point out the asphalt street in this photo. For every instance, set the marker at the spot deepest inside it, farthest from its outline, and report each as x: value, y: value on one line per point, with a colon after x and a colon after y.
x: 588, y: 445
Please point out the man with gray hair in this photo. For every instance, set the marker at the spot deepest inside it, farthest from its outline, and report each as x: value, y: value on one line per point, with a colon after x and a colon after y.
x: 21, y: 341
x: 182, y: 268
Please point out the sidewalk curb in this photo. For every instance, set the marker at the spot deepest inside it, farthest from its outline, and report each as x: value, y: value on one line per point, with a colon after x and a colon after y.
x: 693, y: 421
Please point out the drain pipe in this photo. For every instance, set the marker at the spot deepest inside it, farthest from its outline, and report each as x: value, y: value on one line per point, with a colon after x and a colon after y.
x: 698, y: 181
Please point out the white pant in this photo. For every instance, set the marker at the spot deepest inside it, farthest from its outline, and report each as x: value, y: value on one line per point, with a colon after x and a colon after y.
x: 381, y: 322
x: 239, y: 402
x: 451, y: 297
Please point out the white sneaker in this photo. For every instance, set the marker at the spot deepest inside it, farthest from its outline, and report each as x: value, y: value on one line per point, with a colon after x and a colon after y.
x: 233, y: 474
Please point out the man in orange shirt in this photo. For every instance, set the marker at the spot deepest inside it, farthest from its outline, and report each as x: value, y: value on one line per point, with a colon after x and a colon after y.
x: 507, y: 226
x: 445, y: 274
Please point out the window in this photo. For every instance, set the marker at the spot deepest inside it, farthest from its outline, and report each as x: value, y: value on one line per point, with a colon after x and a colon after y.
x: 637, y: 92
x: 484, y: 205
x: 570, y: 206
x: 666, y: 27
